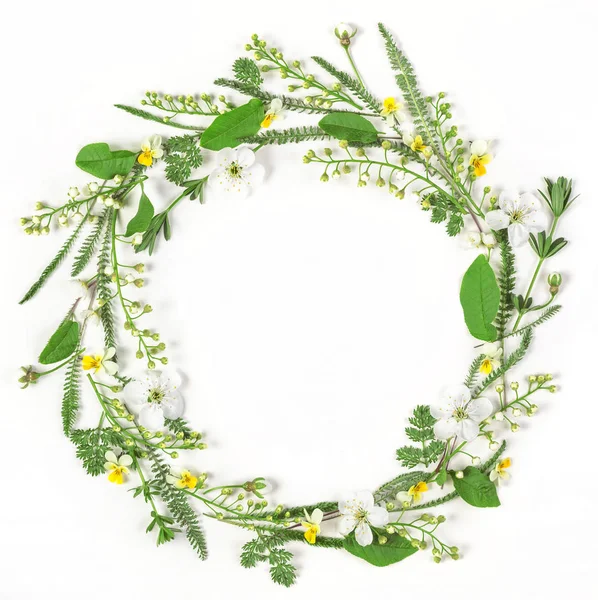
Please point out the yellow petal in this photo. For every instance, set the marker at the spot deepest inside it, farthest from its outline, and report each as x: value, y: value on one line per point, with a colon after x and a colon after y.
x: 422, y: 486
x: 116, y: 476
x: 268, y: 120
x: 145, y: 158
x: 505, y: 463
x: 91, y: 362
x: 486, y: 366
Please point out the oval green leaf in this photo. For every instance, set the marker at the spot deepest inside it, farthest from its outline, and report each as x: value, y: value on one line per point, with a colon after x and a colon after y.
x: 476, y: 488
x: 348, y: 126
x: 227, y: 129
x: 62, y: 344
x: 480, y: 297
x: 141, y: 221
x: 103, y: 163
x: 395, y: 550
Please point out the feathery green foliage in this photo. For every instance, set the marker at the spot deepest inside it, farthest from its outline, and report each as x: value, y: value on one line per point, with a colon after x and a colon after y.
x: 352, y: 84
x: 388, y: 491
x: 246, y: 71
x: 547, y: 314
x: 443, y: 210
x: 148, y: 116
x: 104, y: 292
x: 293, y: 135
x: 178, y: 505
x: 55, y: 262
x: 506, y: 283
x: 183, y: 154
x: 268, y: 547
x: 71, y: 395
x: 87, y: 249
x: 421, y: 431
x: 474, y: 371
x: 92, y: 445
x: 408, y: 84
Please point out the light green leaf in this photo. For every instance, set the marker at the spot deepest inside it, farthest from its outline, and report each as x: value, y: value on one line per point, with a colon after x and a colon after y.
x: 480, y: 297
x: 226, y: 129
x: 476, y: 488
x: 62, y: 344
x: 103, y: 163
x: 141, y: 221
x: 348, y: 126
x: 395, y: 550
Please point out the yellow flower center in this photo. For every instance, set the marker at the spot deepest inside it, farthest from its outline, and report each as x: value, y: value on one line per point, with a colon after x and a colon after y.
x: 91, y: 362
x: 478, y: 162
x: 235, y: 170
x: 460, y: 414
x: 418, y: 144
x: 390, y: 106
x: 188, y: 480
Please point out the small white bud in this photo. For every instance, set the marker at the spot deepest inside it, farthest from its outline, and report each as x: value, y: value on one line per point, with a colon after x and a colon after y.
x: 73, y: 192
x: 77, y: 217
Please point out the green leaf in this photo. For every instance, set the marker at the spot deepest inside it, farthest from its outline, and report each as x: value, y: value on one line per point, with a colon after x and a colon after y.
x: 441, y: 478
x: 226, y: 129
x: 395, y: 550
x: 348, y: 126
x: 62, y: 344
x: 476, y: 488
x: 103, y: 163
x: 480, y: 298
x: 141, y: 221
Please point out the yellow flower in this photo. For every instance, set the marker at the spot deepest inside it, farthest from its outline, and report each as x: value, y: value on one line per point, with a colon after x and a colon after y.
x: 312, y: 525
x: 151, y: 148
x: 391, y: 110
x: 414, y: 494
x: 182, y: 479
x: 500, y: 470
x: 117, y: 467
x: 492, y: 354
x: 274, y: 113
x: 479, y: 157
x: 416, y: 143
x: 100, y: 361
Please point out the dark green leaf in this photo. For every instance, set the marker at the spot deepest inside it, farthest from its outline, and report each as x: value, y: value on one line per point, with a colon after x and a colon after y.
x: 141, y: 221
x: 441, y: 478
x: 480, y: 298
x: 476, y: 489
x: 103, y: 163
x: 349, y: 126
x: 62, y: 344
x: 395, y: 550
x: 226, y: 129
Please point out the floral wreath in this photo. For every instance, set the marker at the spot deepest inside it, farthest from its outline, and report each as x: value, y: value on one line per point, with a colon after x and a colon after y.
x: 408, y: 147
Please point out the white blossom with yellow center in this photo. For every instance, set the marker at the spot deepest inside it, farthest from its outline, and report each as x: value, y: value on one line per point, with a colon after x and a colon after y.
x: 359, y: 512
x: 491, y: 353
x: 237, y: 172
x: 499, y: 473
x: 117, y: 468
x: 479, y: 157
x: 99, y: 362
x: 150, y: 148
x: 312, y: 525
x: 274, y: 113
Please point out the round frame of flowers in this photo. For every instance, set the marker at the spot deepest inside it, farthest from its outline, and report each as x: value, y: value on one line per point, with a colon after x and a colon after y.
x: 408, y: 146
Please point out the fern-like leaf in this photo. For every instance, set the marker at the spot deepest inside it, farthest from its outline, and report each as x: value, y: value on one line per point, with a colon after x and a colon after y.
x: 55, y: 262
x: 506, y: 283
x: 87, y: 249
x: 407, y: 82
x: 71, y: 396
x: 246, y: 71
x: 104, y: 292
x: 293, y: 135
x: 547, y: 314
x: 148, y: 116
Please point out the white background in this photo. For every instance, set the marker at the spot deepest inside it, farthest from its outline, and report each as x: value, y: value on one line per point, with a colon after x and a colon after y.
x: 308, y: 319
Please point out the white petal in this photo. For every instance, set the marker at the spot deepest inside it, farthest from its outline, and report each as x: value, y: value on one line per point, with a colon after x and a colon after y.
x: 444, y: 429
x: 536, y: 220
x: 216, y: 178
x: 155, y: 141
x: 111, y: 457
x: 507, y: 200
x: 275, y: 107
x: 365, y: 499
x: 316, y: 516
x: 347, y: 524
x: 254, y: 175
x: 467, y: 430
x: 518, y: 234
x: 245, y: 157
x: 529, y: 201
x: 135, y: 395
x: 363, y: 534
x: 404, y: 497
x: 125, y: 460
x: 158, y: 153
x: 479, y: 147
x: 497, y: 219
x: 456, y: 394
x: 110, y: 367
x: 378, y: 516
x: 151, y: 416
x: 173, y: 406
x: 109, y: 353
x: 226, y: 156
x: 479, y: 409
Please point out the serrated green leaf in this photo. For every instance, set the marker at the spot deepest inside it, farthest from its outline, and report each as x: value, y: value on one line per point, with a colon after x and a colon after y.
x: 476, y: 489
x: 103, y: 163
x: 62, y: 344
x: 348, y: 126
x: 395, y: 550
x: 142, y: 219
x: 227, y: 129
x: 480, y: 298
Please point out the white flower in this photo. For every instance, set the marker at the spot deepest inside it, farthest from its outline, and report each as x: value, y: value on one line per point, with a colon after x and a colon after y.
x: 83, y: 292
x: 488, y: 240
x: 471, y: 238
x: 499, y: 472
x: 137, y: 239
x: 97, y: 362
x: 117, y: 468
x: 492, y: 354
x: 480, y: 157
x: 73, y: 192
x: 274, y: 113
x: 154, y: 398
x: 236, y: 171
x: 343, y: 30
x: 92, y: 315
x: 460, y: 415
x: 77, y: 217
x: 520, y: 213
x: 92, y: 187
x: 359, y: 513
x: 150, y: 148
